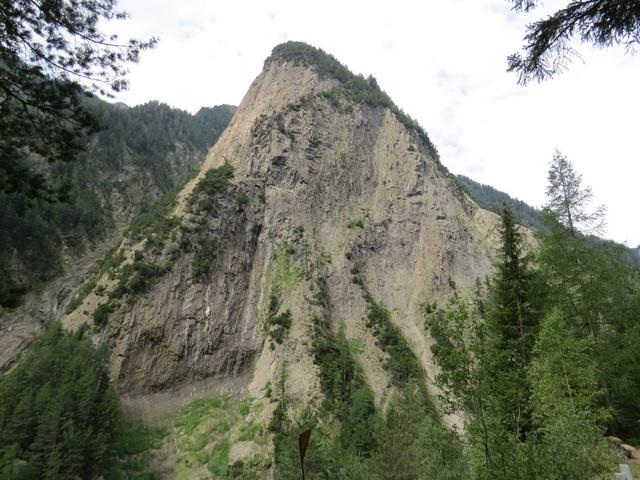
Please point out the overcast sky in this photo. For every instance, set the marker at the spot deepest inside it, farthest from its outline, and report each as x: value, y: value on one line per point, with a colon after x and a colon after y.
x: 443, y: 62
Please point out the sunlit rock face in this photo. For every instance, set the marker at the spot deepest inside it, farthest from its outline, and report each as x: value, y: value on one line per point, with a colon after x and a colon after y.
x: 323, y: 186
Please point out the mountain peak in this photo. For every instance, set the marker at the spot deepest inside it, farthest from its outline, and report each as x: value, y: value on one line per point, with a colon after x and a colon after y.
x: 304, y: 54
x: 333, y: 187
x: 356, y: 88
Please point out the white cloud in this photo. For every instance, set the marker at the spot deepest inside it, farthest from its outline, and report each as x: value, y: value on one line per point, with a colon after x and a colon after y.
x: 442, y: 62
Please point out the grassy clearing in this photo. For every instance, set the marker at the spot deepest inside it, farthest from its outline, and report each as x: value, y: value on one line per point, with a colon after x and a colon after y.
x: 207, y: 430
x: 249, y: 431
x: 218, y: 463
x: 244, y: 407
x: 201, y: 411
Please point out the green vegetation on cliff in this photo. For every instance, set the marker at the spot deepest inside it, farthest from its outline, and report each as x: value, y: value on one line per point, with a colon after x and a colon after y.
x: 344, y: 426
x: 277, y: 325
x: 350, y: 436
x: 214, y: 182
x: 346, y: 392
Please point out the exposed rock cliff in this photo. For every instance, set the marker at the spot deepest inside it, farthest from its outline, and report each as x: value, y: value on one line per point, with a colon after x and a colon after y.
x: 332, y: 185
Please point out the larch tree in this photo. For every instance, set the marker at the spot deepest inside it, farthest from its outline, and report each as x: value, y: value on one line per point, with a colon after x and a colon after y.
x: 566, y: 251
x: 568, y: 200
x: 593, y: 284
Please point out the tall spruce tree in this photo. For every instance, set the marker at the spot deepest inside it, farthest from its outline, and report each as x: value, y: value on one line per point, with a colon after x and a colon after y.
x: 484, y: 350
x: 512, y: 308
x: 513, y: 313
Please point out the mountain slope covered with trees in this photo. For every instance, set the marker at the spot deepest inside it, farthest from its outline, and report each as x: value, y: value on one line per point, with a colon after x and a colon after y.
x: 141, y: 154
x: 491, y: 199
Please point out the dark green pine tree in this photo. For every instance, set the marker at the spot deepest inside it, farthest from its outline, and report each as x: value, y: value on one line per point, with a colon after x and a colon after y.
x: 513, y: 314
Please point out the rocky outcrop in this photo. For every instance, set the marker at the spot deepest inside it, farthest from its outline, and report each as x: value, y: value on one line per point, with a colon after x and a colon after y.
x: 324, y: 185
x: 187, y: 329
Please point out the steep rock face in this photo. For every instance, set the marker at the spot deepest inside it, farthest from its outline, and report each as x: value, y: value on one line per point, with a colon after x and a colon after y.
x: 188, y: 329
x: 277, y: 86
x: 324, y: 187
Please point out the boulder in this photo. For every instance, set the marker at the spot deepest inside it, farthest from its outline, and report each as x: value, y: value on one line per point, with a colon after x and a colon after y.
x: 629, y: 451
x: 615, y: 440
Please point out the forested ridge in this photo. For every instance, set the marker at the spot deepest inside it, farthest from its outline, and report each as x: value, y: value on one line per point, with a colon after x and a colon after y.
x: 491, y: 199
x: 60, y: 417
x: 140, y: 154
x: 494, y: 200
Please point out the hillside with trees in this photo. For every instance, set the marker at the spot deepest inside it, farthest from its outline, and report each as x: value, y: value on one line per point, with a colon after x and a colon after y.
x: 491, y: 199
x: 541, y: 356
x: 59, y: 415
x: 140, y: 154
